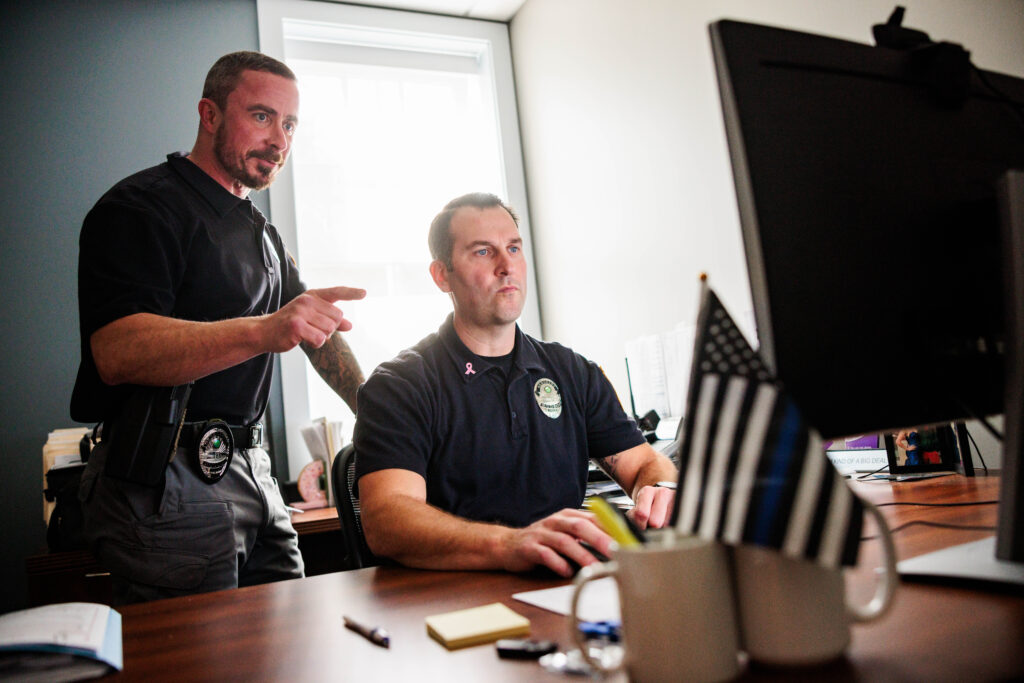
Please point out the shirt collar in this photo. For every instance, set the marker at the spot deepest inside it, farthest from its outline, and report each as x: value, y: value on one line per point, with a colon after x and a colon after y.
x: 470, y: 366
x: 222, y: 201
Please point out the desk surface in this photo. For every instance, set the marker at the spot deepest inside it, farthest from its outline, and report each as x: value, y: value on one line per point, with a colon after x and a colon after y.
x: 293, y: 629
x: 316, y: 521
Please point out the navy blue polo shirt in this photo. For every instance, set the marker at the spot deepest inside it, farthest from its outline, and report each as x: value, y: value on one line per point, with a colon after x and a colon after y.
x: 172, y: 241
x: 491, y: 448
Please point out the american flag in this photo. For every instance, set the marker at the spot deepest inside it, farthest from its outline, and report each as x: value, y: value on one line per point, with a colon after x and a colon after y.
x: 751, y: 469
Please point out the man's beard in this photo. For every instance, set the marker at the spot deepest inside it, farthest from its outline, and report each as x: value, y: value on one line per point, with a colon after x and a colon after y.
x: 236, y: 167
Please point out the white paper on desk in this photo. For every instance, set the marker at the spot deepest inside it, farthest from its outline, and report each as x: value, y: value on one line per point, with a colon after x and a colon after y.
x: 598, y: 602
x: 622, y: 502
x: 596, y: 488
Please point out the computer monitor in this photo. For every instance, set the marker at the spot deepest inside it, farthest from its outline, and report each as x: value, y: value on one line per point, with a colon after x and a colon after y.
x: 868, y: 187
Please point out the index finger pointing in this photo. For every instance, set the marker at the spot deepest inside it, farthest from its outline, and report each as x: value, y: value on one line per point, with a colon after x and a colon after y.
x: 332, y: 294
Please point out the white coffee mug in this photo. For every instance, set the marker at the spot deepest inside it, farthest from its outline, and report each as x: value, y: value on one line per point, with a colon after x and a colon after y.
x: 678, y: 612
x: 795, y: 612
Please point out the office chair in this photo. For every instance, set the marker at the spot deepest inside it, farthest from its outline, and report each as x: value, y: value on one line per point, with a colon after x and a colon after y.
x: 357, y: 553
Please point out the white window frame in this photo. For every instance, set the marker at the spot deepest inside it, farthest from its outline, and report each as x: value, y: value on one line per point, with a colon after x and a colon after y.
x: 280, y: 20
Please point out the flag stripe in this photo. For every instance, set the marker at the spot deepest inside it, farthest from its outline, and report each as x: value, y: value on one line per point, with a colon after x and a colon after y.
x: 694, y: 482
x: 853, y: 531
x: 784, y: 450
x: 834, y: 535
x: 787, y: 483
x: 820, y: 514
x: 722, y: 448
x: 706, y: 455
x: 732, y: 464
x: 749, y: 456
x: 752, y: 470
x: 806, y: 497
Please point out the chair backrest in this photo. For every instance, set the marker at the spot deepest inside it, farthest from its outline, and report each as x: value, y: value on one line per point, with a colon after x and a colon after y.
x: 357, y: 553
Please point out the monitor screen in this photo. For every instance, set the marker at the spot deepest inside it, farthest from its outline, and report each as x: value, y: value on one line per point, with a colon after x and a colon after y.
x: 867, y: 179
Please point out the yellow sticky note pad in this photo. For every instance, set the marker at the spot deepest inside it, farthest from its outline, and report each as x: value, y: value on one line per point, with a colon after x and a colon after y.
x: 477, y: 625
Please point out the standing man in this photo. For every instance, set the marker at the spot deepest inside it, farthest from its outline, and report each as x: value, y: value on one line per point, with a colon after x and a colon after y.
x: 472, y: 447
x: 182, y: 280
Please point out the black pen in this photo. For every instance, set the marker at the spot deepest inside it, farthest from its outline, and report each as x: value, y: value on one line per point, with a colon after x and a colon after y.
x: 377, y: 635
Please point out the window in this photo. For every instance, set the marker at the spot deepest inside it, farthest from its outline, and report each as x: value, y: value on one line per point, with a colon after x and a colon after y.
x: 400, y: 112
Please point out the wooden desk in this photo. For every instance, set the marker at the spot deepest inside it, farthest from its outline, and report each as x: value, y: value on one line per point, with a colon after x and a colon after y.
x: 293, y: 630
x: 317, y: 521
x: 320, y: 540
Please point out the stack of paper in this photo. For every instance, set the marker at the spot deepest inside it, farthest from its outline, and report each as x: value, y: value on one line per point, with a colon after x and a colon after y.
x: 476, y: 626
x: 659, y: 366
x: 61, y: 450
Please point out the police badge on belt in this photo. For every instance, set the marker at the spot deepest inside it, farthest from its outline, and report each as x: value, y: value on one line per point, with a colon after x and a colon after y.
x: 150, y: 427
x: 214, y: 449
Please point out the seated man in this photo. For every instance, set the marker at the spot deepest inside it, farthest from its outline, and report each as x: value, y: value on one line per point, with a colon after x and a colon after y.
x: 472, y: 447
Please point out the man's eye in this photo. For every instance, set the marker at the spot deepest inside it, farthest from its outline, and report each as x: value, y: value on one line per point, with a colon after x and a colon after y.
x: 290, y: 128
x: 513, y: 250
x: 261, y: 117
x: 481, y: 252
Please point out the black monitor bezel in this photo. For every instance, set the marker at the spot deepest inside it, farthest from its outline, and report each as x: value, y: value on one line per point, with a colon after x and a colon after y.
x: 765, y: 77
x: 751, y: 46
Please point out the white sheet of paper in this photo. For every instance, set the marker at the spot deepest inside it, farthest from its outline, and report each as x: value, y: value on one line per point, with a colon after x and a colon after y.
x: 598, y: 602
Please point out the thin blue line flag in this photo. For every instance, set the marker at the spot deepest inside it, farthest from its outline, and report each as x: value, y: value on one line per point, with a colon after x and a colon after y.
x: 752, y: 471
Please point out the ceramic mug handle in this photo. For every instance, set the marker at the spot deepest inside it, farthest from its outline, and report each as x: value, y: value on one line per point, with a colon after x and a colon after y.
x: 589, y: 573
x: 886, y: 588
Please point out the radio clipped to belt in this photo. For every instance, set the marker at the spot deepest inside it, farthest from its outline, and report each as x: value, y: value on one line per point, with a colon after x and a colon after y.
x: 144, y: 437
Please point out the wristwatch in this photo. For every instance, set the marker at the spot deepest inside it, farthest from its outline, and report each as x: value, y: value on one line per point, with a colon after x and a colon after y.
x: 666, y: 484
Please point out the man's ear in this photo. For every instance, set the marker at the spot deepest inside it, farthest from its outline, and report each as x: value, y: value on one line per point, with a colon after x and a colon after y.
x: 209, y: 115
x: 439, y: 272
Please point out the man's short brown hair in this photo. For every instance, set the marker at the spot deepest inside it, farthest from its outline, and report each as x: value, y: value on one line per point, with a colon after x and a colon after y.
x: 223, y: 77
x: 440, y: 237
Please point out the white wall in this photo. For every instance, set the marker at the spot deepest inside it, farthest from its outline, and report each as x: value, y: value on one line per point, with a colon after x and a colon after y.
x: 627, y: 168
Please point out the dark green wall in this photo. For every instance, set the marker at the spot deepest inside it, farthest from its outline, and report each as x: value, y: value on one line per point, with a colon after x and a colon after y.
x: 92, y: 91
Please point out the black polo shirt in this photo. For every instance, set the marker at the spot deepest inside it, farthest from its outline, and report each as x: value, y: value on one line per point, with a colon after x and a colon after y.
x: 171, y: 241
x: 509, y: 450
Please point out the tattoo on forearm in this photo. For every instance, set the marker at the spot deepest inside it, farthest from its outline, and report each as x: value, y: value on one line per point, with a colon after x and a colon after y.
x: 337, y: 365
x: 610, y: 466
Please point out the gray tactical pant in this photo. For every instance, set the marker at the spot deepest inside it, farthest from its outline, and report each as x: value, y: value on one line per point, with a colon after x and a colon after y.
x: 189, y: 536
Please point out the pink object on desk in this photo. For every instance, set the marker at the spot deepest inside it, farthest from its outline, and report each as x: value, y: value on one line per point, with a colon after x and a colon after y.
x: 309, y: 486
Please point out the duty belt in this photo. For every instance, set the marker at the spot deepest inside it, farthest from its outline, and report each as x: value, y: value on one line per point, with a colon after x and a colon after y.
x: 213, y: 443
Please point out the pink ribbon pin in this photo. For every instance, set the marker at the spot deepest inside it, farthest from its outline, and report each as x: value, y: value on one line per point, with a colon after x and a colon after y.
x: 469, y: 369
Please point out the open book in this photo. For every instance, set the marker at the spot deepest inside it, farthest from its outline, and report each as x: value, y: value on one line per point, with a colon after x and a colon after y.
x: 68, y: 642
